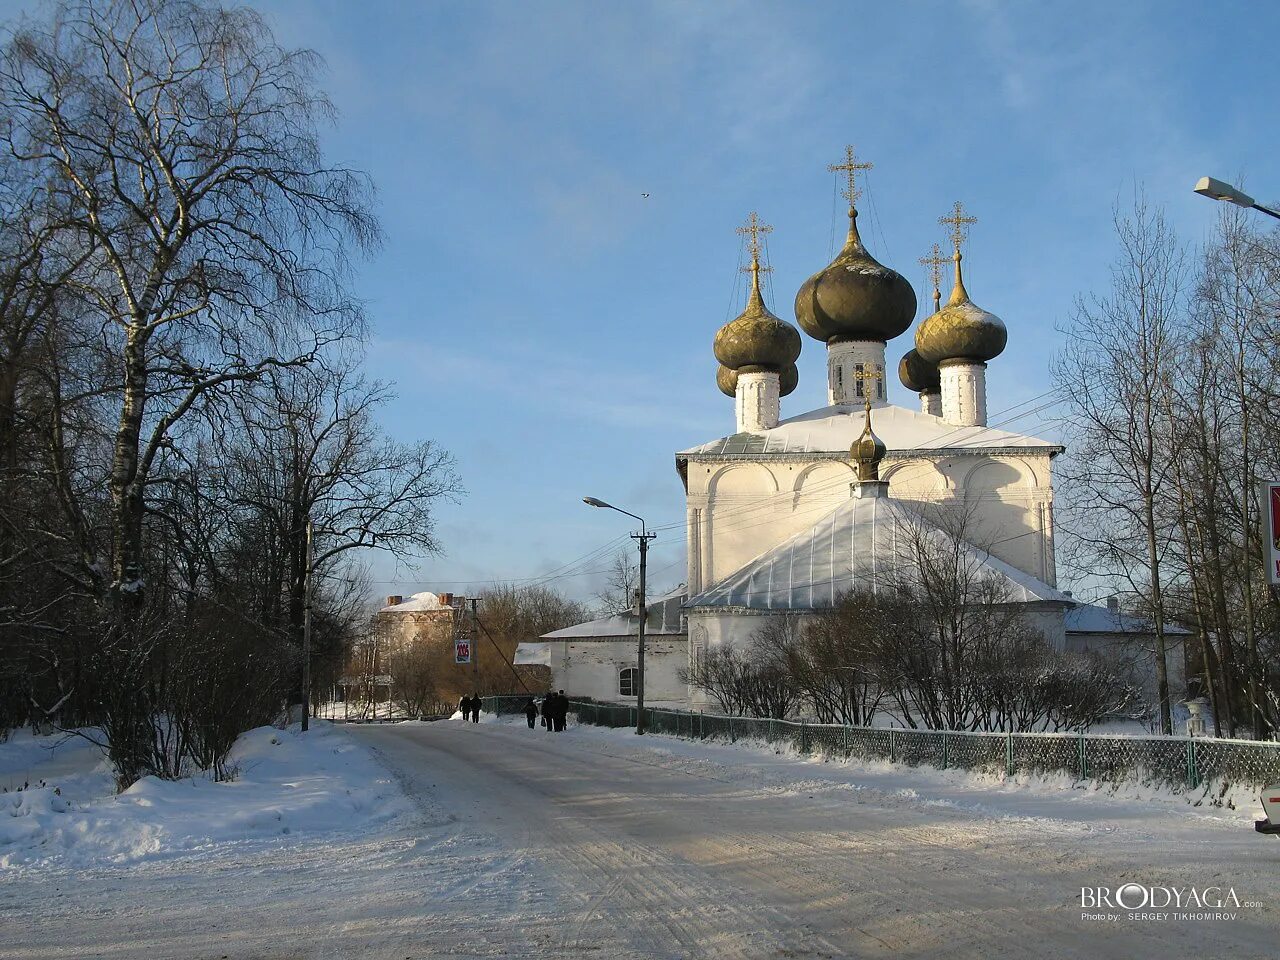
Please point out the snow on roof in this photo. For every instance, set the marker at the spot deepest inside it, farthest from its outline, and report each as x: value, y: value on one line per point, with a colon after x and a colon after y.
x: 663, y: 619
x: 1087, y: 618
x: 419, y: 601
x: 861, y: 539
x: 833, y: 429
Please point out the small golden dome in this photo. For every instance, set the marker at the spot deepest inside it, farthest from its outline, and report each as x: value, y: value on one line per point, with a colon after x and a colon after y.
x: 867, y: 451
x: 855, y: 297
x: 727, y: 380
x: 789, y: 379
x: 961, y: 330
x: 919, y: 375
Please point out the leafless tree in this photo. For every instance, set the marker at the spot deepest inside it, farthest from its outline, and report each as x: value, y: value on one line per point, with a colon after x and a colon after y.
x: 621, y: 584
x: 1116, y: 375
x: 183, y: 143
x: 752, y: 681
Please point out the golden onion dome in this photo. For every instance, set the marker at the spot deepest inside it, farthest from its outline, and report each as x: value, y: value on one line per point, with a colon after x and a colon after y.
x: 727, y: 380
x: 756, y: 340
x: 788, y: 380
x: 919, y: 375
x: 868, y: 450
x: 855, y: 297
x: 961, y: 330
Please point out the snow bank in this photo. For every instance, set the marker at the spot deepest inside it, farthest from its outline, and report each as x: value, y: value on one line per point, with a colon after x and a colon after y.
x: 484, y: 717
x: 782, y: 769
x: 289, y: 784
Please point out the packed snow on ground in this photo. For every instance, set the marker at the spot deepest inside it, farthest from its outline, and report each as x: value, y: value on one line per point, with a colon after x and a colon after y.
x: 597, y: 843
x: 286, y: 784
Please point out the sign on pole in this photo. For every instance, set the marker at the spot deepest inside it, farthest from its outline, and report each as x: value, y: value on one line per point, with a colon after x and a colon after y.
x: 1271, y: 529
x: 462, y: 651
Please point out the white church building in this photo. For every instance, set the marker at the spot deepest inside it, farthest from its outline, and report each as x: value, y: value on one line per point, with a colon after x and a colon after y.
x: 785, y: 515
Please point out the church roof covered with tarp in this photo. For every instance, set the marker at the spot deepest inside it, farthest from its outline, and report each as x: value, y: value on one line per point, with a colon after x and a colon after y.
x: 858, y: 544
x: 833, y: 429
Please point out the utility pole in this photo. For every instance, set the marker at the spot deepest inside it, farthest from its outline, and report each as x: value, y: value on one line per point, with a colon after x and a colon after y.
x: 643, y: 538
x: 475, y: 650
x: 306, y: 637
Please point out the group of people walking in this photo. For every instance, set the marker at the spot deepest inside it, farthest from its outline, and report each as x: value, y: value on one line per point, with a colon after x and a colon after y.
x: 555, y: 711
x: 470, y: 707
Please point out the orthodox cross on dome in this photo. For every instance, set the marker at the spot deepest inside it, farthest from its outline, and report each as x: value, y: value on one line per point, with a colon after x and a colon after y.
x: 934, y: 262
x: 850, y: 168
x: 753, y: 230
x: 959, y: 225
x: 865, y: 375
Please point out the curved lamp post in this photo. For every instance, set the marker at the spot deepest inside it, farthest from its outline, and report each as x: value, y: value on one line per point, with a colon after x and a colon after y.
x: 1218, y: 190
x: 643, y: 538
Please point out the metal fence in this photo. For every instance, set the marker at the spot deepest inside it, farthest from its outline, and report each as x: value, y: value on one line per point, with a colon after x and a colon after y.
x: 1177, y: 762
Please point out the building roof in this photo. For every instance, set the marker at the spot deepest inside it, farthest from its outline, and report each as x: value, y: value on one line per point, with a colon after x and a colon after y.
x: 833, y: 429
x: 1087, y: 618
x: 664, y: 618
x: 419, y: 601
x: 857, y: 543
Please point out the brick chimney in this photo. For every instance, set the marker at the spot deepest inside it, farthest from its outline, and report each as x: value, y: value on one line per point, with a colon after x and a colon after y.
x: 1113, y: 604
x: 446, y: 599
x: 392, y: 601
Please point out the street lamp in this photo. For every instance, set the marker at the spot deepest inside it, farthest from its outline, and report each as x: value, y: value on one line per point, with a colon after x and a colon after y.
x: 1217, y: 190
x: 643, y: 538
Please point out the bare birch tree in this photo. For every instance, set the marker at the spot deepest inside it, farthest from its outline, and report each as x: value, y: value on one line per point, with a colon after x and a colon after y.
x: 184, y: 144
x: 1115, y: 375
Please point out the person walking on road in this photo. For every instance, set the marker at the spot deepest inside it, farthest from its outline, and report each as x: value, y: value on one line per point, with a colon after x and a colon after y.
x: 475, y: 708
x: 549, y: 711
x: 464, y: 707
x: 531, y: 712
x: 562, y: 711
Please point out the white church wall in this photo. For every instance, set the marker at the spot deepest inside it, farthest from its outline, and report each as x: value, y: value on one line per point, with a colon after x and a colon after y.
x: 1135, y: 652
x: 740, y: 509
x: 711, y: 630
x: 590, y: 668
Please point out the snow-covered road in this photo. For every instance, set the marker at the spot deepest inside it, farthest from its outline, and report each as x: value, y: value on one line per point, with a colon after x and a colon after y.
x: 667, y: 849
x: 597, y: 843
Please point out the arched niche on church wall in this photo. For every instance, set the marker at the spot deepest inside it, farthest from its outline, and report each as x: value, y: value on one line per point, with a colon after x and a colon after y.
x: 992, y: 478
x: 823, y: 482
x: 918, y: 478
x: 741, y: 480
x: 746, y: 513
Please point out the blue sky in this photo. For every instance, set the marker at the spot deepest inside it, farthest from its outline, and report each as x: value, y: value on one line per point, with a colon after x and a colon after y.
x: 552, y: 327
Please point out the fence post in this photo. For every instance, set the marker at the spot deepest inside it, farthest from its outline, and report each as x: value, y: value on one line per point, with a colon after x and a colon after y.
x: 804, y: 737
x: 702, y: 730
x: 1193, y: 775
x: 1084, y: 767
x: 892, y: 752
x: 1008, y: 754
x: 845, y: 728
x: 944, y: 749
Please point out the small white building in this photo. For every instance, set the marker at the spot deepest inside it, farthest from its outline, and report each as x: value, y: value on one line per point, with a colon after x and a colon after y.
x: 598, y: 659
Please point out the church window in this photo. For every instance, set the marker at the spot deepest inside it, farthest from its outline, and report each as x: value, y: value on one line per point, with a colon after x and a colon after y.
x: 627, y: 682
x: 857, y: 372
